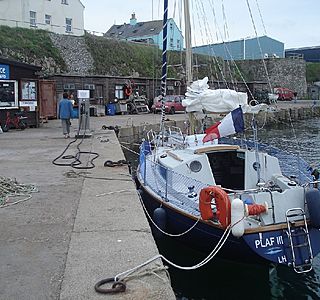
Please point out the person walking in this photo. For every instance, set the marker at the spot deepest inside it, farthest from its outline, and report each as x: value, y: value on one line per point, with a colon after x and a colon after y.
x: 65, y: 114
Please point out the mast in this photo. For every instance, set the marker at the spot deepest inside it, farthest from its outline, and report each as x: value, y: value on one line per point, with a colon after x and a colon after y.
x: 188, y: 42
x: 189, y: 78
x: 164, y: 66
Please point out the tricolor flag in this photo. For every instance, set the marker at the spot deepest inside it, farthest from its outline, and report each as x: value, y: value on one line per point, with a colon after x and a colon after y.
x: 230, y: 124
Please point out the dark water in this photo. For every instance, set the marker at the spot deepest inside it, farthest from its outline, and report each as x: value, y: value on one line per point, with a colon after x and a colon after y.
x: 225, y: 280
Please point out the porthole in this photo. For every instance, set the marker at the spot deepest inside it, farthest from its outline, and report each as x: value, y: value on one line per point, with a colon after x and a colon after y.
x: 195, y: 166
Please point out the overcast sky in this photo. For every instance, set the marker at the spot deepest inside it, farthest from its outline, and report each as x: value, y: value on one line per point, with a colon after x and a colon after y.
x: 293, y: 22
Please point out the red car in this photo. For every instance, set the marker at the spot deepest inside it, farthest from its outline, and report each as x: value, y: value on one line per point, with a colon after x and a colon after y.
x: 173, y: 103
x: 284, y: 93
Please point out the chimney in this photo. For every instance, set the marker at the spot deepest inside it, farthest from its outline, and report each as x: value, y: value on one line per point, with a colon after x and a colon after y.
x: 133, y: 20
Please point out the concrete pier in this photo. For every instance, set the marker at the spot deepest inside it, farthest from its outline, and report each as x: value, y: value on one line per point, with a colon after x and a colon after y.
x: 65, y: 239
x: 84, y: 225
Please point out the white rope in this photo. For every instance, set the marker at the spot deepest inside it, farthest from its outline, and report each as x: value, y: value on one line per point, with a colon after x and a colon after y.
x: 166, y: 233
x: 116, y: 192
x: 10, y: 188
x: 211, y: 255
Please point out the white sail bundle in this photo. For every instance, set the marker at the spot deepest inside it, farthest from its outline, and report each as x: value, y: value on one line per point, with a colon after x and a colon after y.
x: 200, y: 98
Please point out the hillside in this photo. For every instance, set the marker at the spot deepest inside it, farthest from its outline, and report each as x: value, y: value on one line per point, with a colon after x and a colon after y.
x: 31, y: 46
x: 92, y: 55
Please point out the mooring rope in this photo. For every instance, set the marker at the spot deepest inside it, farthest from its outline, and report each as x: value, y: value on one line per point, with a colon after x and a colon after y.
x: 10, y: 188
x: 166, y: 233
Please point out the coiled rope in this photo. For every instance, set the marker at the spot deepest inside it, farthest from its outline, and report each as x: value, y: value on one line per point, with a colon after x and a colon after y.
x: 10, y: 188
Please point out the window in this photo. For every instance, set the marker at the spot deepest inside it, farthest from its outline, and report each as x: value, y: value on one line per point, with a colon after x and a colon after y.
x: 68, y: 25
x: 119, y: 92
x: 47, y: 19
x: 178, y: 44
x: 33, y: 18
x: 64, y: 2
x: 171, y: 42
x: 8, y: 93
x: 28, y: 91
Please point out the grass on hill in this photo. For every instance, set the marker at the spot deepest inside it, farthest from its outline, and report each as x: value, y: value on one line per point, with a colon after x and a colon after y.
x: 121, y: 58
x: 313, y: 72
x: 28, y: 45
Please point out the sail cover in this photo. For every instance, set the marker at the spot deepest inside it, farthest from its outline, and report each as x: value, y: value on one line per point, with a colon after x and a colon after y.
x: 199, y: 97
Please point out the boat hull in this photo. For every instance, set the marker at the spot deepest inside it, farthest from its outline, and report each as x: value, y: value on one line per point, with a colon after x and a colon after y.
x: 254, y: 248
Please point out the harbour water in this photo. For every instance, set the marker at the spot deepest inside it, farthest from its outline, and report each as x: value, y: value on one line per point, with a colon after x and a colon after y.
x: 225, y: 280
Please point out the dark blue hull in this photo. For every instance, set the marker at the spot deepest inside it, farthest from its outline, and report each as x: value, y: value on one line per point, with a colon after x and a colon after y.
x: 256, y: 248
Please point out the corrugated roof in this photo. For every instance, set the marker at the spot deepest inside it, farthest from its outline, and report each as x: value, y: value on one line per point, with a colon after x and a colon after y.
x: 138, y: 30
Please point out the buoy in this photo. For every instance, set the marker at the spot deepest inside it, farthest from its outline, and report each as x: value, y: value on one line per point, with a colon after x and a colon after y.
x: 237, y: 217
x: 256, y: 209
x: 160, y: 219
x: 313, y: 203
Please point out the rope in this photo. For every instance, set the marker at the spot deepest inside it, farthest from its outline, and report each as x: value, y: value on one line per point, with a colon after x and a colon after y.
x: 166, y: 233
x: 73, y: 174
x: 211, y: 255
x: 11, y: 188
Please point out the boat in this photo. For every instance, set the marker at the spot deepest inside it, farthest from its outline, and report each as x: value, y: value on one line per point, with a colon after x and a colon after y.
x: 226, y: 196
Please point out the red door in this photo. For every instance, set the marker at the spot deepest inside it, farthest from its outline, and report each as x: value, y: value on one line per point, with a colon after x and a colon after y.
x: 47, y: 99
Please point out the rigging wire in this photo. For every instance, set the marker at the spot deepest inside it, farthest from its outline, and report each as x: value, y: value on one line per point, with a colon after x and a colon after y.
x: 264, y: 27
x: 208, y: 34
x: 225, y: 23
x: 259, y: 44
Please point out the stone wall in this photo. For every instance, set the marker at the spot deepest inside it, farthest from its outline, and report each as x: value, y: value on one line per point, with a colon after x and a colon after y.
x: 75, y: 54
x: 282, y: 72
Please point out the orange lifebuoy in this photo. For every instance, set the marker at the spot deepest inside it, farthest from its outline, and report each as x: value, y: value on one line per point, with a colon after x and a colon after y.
x: 128, y: 90
x: 222, y: 202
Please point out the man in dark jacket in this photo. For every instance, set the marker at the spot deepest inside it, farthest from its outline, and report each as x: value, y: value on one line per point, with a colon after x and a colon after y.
x: 65, y: 114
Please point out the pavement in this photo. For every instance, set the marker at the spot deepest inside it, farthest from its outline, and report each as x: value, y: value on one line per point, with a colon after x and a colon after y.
x: 82, y: 225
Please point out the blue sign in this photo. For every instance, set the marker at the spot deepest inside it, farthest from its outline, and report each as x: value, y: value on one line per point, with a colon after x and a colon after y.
x: 4, y: 72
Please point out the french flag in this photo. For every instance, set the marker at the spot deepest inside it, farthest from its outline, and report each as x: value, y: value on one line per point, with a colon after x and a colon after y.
x: 230, y: 124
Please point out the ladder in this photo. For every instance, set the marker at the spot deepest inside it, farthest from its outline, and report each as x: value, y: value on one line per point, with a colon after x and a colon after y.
x: 299, y: 240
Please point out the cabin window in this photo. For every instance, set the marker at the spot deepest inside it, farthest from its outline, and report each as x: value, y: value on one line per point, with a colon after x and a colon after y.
x: 227, y: 169
x: 47, y: 19
x: 64, y: 2
x: 33, y: 19
x: 68, y: 25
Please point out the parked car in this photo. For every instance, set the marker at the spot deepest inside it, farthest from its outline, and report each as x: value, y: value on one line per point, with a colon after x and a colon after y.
x: 284, y: 93
x: 173, y: 104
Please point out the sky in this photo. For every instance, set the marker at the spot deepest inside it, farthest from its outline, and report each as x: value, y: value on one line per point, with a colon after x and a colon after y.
x: 293, y: 22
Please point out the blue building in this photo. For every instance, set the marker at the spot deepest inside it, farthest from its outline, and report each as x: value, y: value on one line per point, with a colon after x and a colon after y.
x: 309, y: 54
x: 147, y: 32
x: 246, y: 48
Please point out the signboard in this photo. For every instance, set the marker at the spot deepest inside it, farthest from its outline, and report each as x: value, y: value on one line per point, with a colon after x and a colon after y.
x: 83, y: 94
x: 4, y: 72
x: 28, y: 90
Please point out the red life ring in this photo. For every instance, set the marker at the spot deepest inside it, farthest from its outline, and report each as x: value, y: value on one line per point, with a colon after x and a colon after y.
x: 128, y: 90
x: 222, y: 202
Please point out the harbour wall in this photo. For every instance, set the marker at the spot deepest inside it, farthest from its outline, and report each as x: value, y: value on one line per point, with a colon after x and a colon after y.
x: 273, y: 116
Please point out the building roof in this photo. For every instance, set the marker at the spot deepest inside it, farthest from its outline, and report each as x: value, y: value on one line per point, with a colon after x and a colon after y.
x: 239, y: 40
x: 140, y: 29
x: 304, y: 48
x: 15, y: 63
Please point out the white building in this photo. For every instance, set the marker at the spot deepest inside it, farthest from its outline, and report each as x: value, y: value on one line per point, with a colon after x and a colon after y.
x: 59, y: 16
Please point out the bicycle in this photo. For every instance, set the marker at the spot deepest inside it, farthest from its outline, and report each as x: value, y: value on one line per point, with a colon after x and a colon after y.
x: 17, y: 122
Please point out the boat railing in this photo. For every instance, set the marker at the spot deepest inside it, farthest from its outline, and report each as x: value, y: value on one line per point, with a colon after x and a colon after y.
x: 291, y: 165
x: 183, y: 191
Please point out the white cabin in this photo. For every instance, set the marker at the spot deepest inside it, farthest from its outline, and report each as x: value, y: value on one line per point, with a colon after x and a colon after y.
x: 58, y: 16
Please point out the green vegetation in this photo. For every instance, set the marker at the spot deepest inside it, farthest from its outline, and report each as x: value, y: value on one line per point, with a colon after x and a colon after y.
x: 28, y: 45
x: 121, y: 58
x: 313, y: 72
